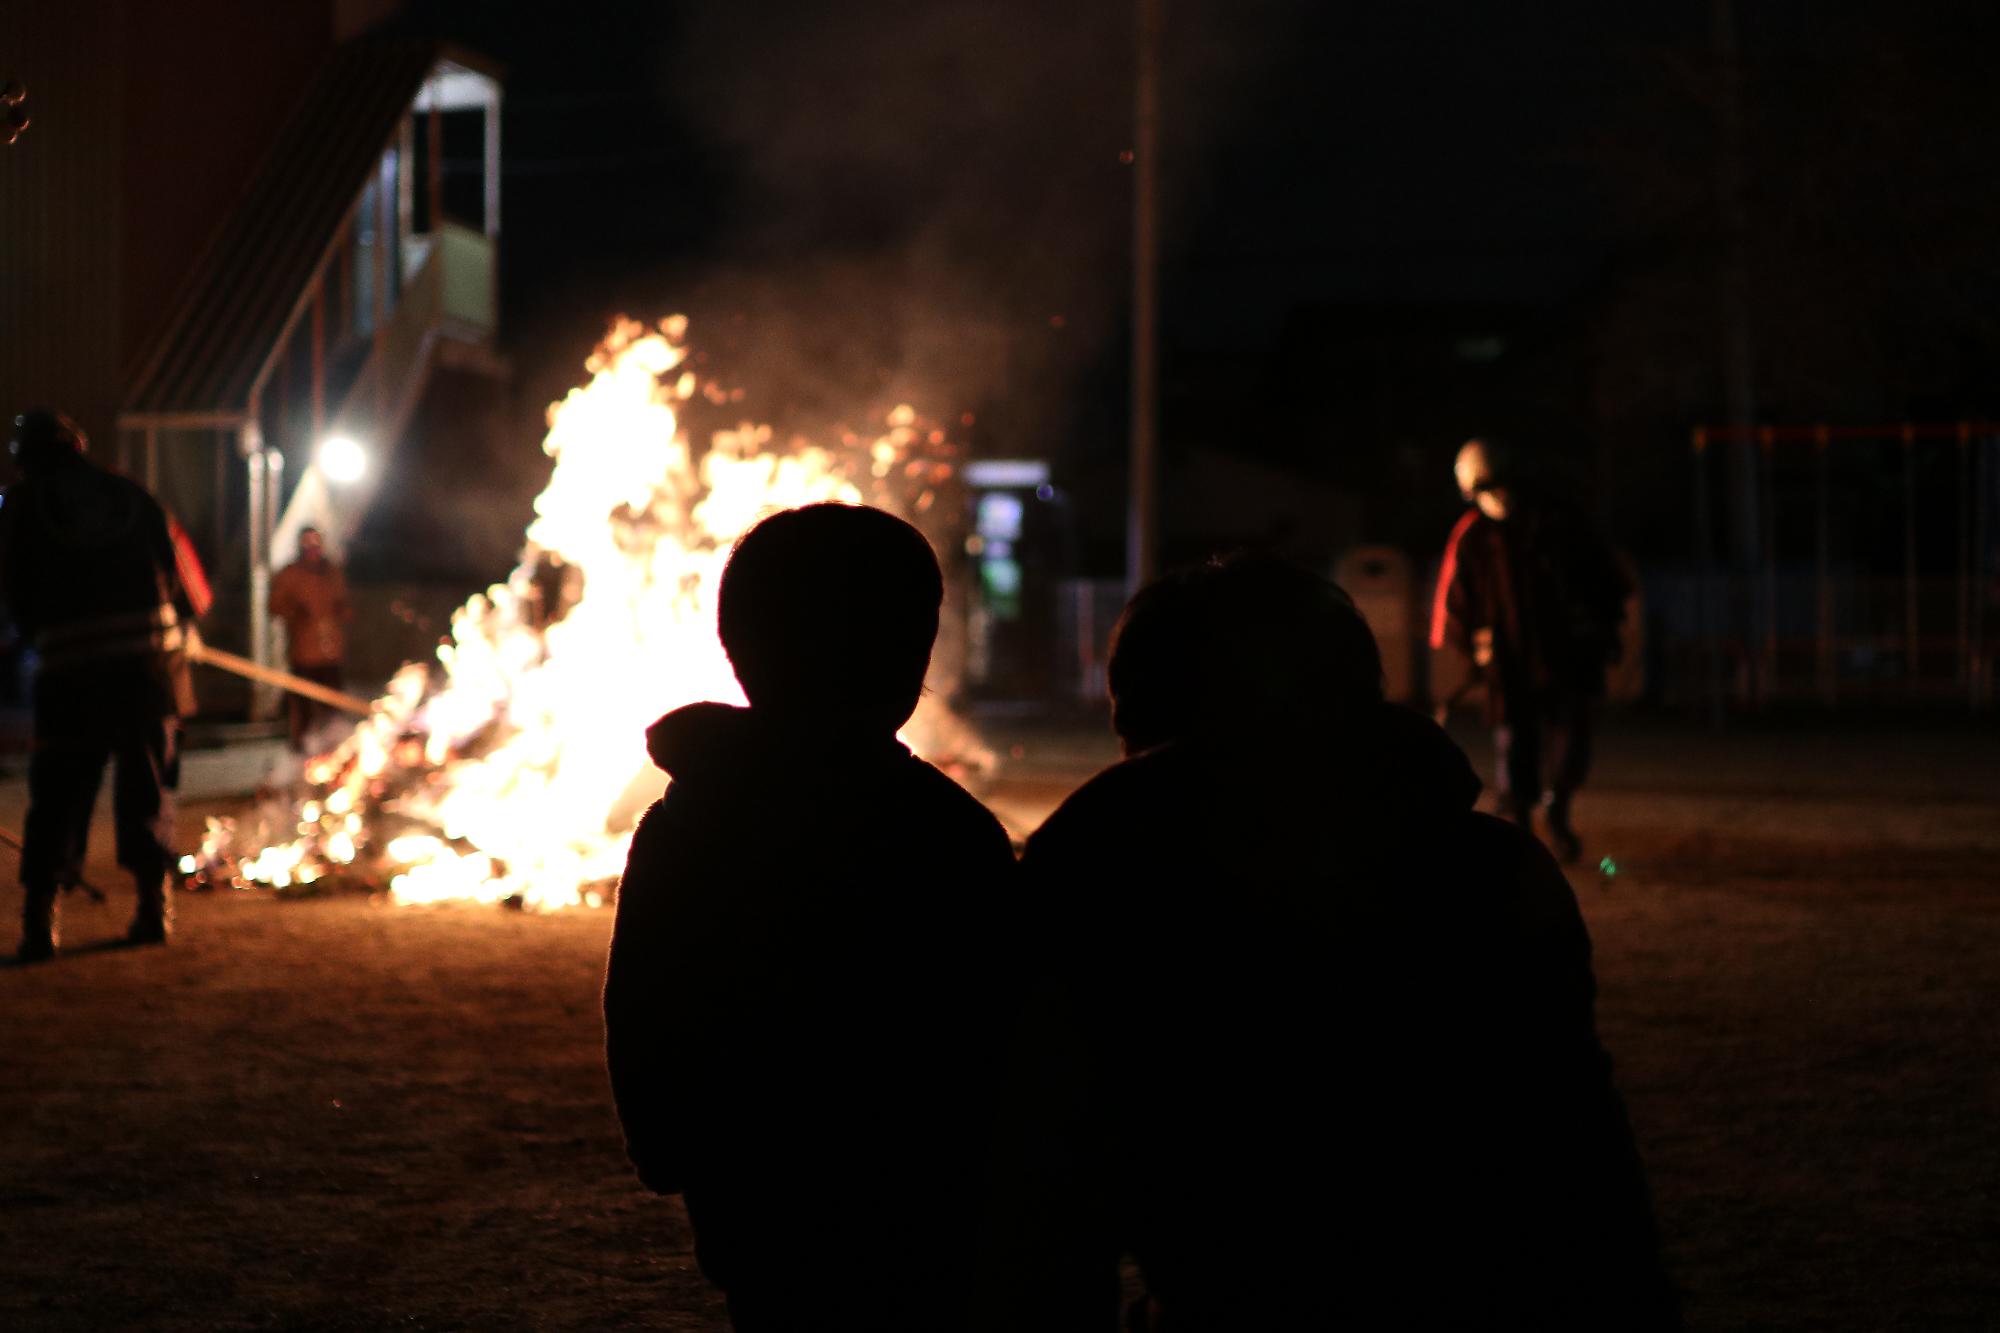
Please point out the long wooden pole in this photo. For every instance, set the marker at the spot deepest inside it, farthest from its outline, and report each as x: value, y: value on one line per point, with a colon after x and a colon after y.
x: 284, y: 680
x: 13, y: 839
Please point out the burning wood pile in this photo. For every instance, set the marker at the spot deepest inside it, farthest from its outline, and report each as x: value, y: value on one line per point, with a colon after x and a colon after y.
x: 513, y: 769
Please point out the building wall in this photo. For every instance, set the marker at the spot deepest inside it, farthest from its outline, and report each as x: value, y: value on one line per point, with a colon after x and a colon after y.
x: 351, y: 18
x: 209, y: 86
x: 149, y: 120
x: 61, y: 248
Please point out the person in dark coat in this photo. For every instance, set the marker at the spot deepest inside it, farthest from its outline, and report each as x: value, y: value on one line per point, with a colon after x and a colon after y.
x: 95, y: 577
x: 1529, y: 592
x: 1343, y: 1062
x: 802, y: 999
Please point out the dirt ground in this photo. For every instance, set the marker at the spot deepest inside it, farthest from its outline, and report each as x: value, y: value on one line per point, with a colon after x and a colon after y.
x: 331, y: 1114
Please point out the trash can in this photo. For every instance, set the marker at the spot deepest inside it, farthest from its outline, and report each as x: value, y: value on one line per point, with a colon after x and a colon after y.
x: 1378, y: 579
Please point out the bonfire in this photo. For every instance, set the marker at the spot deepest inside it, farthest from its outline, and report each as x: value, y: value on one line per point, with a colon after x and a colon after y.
x: 512, y: 769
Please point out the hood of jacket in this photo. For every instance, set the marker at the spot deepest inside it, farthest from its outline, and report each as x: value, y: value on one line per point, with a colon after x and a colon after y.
x: 708, y: 742
x: 1390, y: 764
x: 1396, y: 757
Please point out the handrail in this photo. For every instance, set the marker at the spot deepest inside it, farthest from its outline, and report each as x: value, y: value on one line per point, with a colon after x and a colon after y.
x: 375, y: 410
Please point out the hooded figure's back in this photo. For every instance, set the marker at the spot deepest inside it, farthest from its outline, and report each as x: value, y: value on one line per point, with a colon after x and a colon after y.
x: 800, y: 1004
x: 1343, y: 1063
x: 1360, y: 1072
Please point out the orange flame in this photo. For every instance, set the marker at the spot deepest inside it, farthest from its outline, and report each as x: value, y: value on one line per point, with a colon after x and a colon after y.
x: 517, y: 774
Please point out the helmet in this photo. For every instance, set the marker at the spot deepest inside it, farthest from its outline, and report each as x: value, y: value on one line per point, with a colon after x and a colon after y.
x: 43, y: 436
x: 1482, y: 465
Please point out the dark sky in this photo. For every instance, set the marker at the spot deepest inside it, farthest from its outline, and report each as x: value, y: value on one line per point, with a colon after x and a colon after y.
x: 932, y: 182
x: 924, y: 200
x: 961, y: 156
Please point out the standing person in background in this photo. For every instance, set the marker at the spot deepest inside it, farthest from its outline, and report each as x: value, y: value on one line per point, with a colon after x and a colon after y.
x: 1531, y: 593
x: 310, y: 596
x: 102, y: 582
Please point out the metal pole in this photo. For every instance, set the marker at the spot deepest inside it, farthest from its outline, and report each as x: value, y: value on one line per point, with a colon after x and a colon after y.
x: 1965, y: 497
x: 492, y: 209
x: 1141, y: 536
x: 1982, y: 483
x: 490, y: 204
x: 1737, y: 344
x: 385, y: 241
x: 406, y: 176
x: 1086, y: 639
x: 434, y: 156
x: 1704, y: 577
x: 1767, y: 591
x: 274, y: 494
x: 1910, y: 648
x: 1823, y: 568
x: 251, y: 446
x: 220, y: 502
x: 318, y: 359
x: 266, y: 698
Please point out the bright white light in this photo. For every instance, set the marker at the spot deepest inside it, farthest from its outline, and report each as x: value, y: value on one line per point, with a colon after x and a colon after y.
x: 341, y: 459
x: 1015, y: 473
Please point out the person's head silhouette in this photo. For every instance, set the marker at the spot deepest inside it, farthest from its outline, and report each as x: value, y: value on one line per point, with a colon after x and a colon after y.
x: 828, y: 614
x: 45, y: 440
x: 1240, y: 647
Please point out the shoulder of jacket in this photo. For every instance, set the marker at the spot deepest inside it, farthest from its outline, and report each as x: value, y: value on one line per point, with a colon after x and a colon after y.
x: 645, y: 848
x: 131, y: 489
x: 1126, y: 792
x: 958, y: 803
x: 1536, y: 891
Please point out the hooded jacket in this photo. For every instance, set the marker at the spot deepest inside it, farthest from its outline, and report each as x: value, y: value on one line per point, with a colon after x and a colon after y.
x: 803, y: 986
x: 1344, y: 1063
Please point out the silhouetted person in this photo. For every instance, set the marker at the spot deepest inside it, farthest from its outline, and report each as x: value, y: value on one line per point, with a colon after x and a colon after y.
x: 1343, y: 1063
x: 95, y: 578
x: 800, y: 1001
x: 1530, y: 592
x: 310, y: 596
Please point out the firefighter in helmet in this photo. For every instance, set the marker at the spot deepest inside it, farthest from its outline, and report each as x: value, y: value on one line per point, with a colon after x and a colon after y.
x: 1532, y: 594
x: 102, y: 582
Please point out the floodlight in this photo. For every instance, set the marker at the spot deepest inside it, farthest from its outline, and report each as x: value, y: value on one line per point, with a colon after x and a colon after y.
x: 342, y: 459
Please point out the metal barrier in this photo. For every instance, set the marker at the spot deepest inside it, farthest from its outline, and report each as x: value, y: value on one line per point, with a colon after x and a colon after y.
x: 1874, y: 573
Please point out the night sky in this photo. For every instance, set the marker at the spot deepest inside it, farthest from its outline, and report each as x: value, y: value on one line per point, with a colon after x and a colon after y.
x: 925, y: 201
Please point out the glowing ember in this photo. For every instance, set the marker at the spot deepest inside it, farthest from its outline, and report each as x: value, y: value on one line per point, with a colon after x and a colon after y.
x: 517, y: 771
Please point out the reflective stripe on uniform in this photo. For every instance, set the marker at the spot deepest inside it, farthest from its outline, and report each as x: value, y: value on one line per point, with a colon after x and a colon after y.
x: 127, y: 634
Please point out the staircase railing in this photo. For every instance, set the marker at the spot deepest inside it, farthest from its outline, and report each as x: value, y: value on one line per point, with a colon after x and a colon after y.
x: 452, y: 294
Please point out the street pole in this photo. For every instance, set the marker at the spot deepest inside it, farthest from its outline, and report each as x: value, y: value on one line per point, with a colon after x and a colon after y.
x: 250, y: 445
x: 1738, y: 347
x: 265, y: 465
x: 1141, y: 531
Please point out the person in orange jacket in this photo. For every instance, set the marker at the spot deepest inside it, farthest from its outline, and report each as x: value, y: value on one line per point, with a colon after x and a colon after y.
x: 310, y: 597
